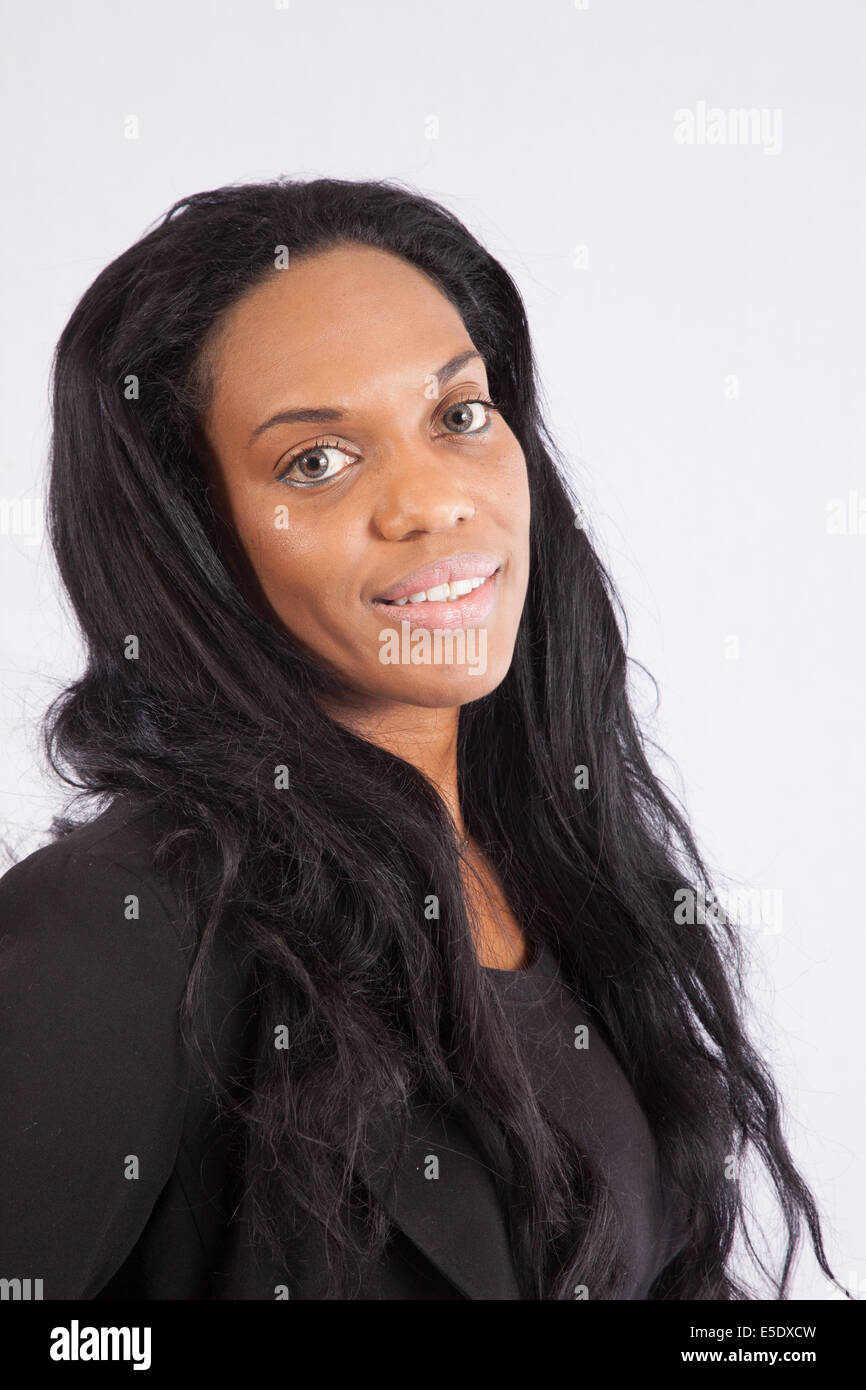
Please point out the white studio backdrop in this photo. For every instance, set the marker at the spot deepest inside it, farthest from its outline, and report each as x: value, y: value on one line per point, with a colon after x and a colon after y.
x: 677, y: 189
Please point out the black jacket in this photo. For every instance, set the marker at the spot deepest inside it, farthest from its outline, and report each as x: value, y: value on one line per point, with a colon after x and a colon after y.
x: 117, y: 1180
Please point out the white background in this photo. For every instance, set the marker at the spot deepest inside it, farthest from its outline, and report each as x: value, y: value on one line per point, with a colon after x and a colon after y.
x: 553, y: 129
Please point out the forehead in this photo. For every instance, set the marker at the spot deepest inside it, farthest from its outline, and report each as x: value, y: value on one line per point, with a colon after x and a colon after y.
x: 340, y: 324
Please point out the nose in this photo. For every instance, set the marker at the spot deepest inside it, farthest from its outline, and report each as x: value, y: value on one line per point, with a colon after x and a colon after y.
x: 419, y: 492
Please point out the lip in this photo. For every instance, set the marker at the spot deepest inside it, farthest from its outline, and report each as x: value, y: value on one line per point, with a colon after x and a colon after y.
x: 466, y: 565
x: 468, y: 611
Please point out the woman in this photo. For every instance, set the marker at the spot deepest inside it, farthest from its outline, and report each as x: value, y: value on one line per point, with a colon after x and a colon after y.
x: 368, y: 979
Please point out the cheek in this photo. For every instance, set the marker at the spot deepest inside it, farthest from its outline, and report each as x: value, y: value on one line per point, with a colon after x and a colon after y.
x: 298, y: 565
x: 274, y: 555
x: 511, y: 501
x: 275, y: 538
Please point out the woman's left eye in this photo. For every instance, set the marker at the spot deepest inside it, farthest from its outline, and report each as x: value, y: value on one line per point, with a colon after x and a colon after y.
x: 464, y: 412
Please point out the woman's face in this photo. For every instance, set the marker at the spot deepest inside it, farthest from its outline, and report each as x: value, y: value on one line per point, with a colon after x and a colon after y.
x: 348, y: 455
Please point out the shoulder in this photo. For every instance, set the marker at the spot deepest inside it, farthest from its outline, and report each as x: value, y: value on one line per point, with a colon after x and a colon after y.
x: 124, y: 834
x: 87, y: 881
x: 88, y: 921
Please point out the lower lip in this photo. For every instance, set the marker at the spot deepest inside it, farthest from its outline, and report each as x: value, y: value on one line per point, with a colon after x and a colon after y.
x: 467, y: 611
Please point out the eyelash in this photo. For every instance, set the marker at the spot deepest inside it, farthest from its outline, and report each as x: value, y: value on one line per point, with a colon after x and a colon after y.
x: 283, y: 477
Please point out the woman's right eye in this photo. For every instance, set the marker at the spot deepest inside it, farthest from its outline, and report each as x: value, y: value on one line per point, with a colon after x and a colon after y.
x: 316, y: 458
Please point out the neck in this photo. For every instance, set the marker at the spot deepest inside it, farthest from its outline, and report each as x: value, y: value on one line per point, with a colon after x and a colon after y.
x: 427, y: 738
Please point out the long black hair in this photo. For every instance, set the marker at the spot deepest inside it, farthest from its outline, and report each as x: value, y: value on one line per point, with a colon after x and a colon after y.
x: 321, y: 875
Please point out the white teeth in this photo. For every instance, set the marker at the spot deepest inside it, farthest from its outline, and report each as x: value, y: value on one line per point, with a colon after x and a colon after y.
x: 441, y: 593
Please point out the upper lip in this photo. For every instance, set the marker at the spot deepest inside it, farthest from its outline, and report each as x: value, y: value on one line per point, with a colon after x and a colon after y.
x: 466, y: 565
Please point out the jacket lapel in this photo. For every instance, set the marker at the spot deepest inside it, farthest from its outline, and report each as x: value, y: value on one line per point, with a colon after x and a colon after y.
x: 444, y: 1199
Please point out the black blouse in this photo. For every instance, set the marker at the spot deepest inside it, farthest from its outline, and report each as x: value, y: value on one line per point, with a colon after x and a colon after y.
x: 576, y: 1076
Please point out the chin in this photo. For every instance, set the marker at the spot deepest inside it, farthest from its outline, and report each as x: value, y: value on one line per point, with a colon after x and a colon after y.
x: 433, y: 688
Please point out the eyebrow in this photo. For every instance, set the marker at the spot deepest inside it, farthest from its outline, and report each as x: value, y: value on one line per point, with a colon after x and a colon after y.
x: 324, y: 414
